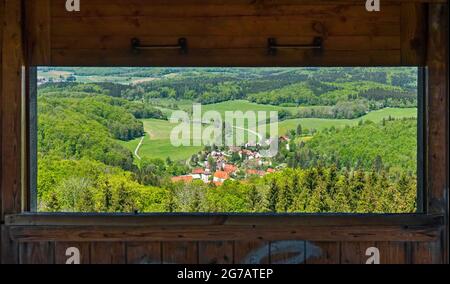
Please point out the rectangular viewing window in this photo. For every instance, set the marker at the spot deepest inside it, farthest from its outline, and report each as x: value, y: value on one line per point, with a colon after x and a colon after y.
x: 226, y: 140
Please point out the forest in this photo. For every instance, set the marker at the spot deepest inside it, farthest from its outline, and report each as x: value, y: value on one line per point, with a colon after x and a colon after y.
x: 347, y: 141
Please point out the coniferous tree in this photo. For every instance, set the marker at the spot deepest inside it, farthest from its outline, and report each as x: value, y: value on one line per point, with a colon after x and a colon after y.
x: 378, y: 163
x: 340, y: 202
x: 386, y: 203
x: 170, y: 204
x: 87, y: 203
x: 286, y: 198
x: 273, y: 197
x: 107, y: 197
x: 253, y: 199
x: 123, y: 203
x: 318, y: 201
x: 299, y: 130
x: 54, y: 204
x: 403, y: 195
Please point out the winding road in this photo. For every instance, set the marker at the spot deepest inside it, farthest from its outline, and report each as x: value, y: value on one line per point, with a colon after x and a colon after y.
x: 136, y: 152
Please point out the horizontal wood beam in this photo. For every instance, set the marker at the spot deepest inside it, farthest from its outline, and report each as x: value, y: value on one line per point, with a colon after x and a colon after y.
x: 223, y: 232
x: 63, y: 219
x: 122, y: 227
x: 255, y: 2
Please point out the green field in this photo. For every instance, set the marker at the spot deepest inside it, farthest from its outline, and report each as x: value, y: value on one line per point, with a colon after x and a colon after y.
x: 157, y: 144
x: 235, y: 105
x: 319, y: 124
x: 243, y: 105
x: 126, y: 80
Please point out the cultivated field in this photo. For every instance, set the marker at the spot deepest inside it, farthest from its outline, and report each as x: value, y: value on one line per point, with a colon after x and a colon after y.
x: 157, y: 143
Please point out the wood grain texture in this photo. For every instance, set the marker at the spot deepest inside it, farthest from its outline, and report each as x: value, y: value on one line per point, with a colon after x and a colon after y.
x: 38, y: 27
x: 438, y: 124
x: 108, y: 253
x: 413, y: 33
x: 427, y: 253
x: 144, y: 253
x: 217, y: 233
x: 251, y: 252
x: 354, y: 252
x: 393, y: 252
x: 180, y: 253
x: 232, y: 33
x: 288, y: 252
x: 275, y: 252
x: 9, y: 248
x: 37, y: 253
x: 323, y: 253
x: 61, y: 249
x: 220, y: 252
x: 438, y: 103
x: 12, y: 54
x: 299, y: 220
x: 390, y: 252
x: 103, y: 8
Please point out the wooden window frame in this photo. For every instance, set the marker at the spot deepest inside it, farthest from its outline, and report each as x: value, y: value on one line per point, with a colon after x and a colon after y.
x: 19, y: 226
x: 30, y: 149
x: 419, y: 226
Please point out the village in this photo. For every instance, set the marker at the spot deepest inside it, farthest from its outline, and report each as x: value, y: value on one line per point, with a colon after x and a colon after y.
x: 217, y: 165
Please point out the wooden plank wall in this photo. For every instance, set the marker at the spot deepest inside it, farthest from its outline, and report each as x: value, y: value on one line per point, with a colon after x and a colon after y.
x: 230, y: 252
x: 225, y: 33
x: 11, y: 103
x: 438, y: 115
x: 223, y: 239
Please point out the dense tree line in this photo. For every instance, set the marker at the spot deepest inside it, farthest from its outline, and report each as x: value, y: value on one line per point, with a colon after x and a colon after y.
x: 310, y: 190
x: 310, y: 93
x: 309, y: 86
x: 70, y: 135
x: 73, y: 88
x: 390, y: 145
x: 342, y: 110
x: 114, y: 71
x: 102, y: 93
x: 390, y: 98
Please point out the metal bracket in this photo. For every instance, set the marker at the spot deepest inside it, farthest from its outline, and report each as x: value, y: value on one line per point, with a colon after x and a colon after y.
x: 273, y: 46
x: 137, y: 47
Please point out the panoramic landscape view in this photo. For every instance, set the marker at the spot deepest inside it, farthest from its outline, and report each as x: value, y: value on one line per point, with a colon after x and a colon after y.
x: 234, y: 140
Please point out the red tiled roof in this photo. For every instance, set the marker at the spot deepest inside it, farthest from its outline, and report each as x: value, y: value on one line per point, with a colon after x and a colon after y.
x: 230, y: 169
x: 182, y: 178
x: 198, y: 171
x: 221, y: 175
x: 271, y: 171
x: 256, y: 172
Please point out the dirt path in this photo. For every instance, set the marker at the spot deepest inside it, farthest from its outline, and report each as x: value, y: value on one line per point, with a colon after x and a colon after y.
x: 136, y: 152
x: 260, y: 137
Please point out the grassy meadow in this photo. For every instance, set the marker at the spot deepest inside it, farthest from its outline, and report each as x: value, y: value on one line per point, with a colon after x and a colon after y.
x: 156, y: 143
